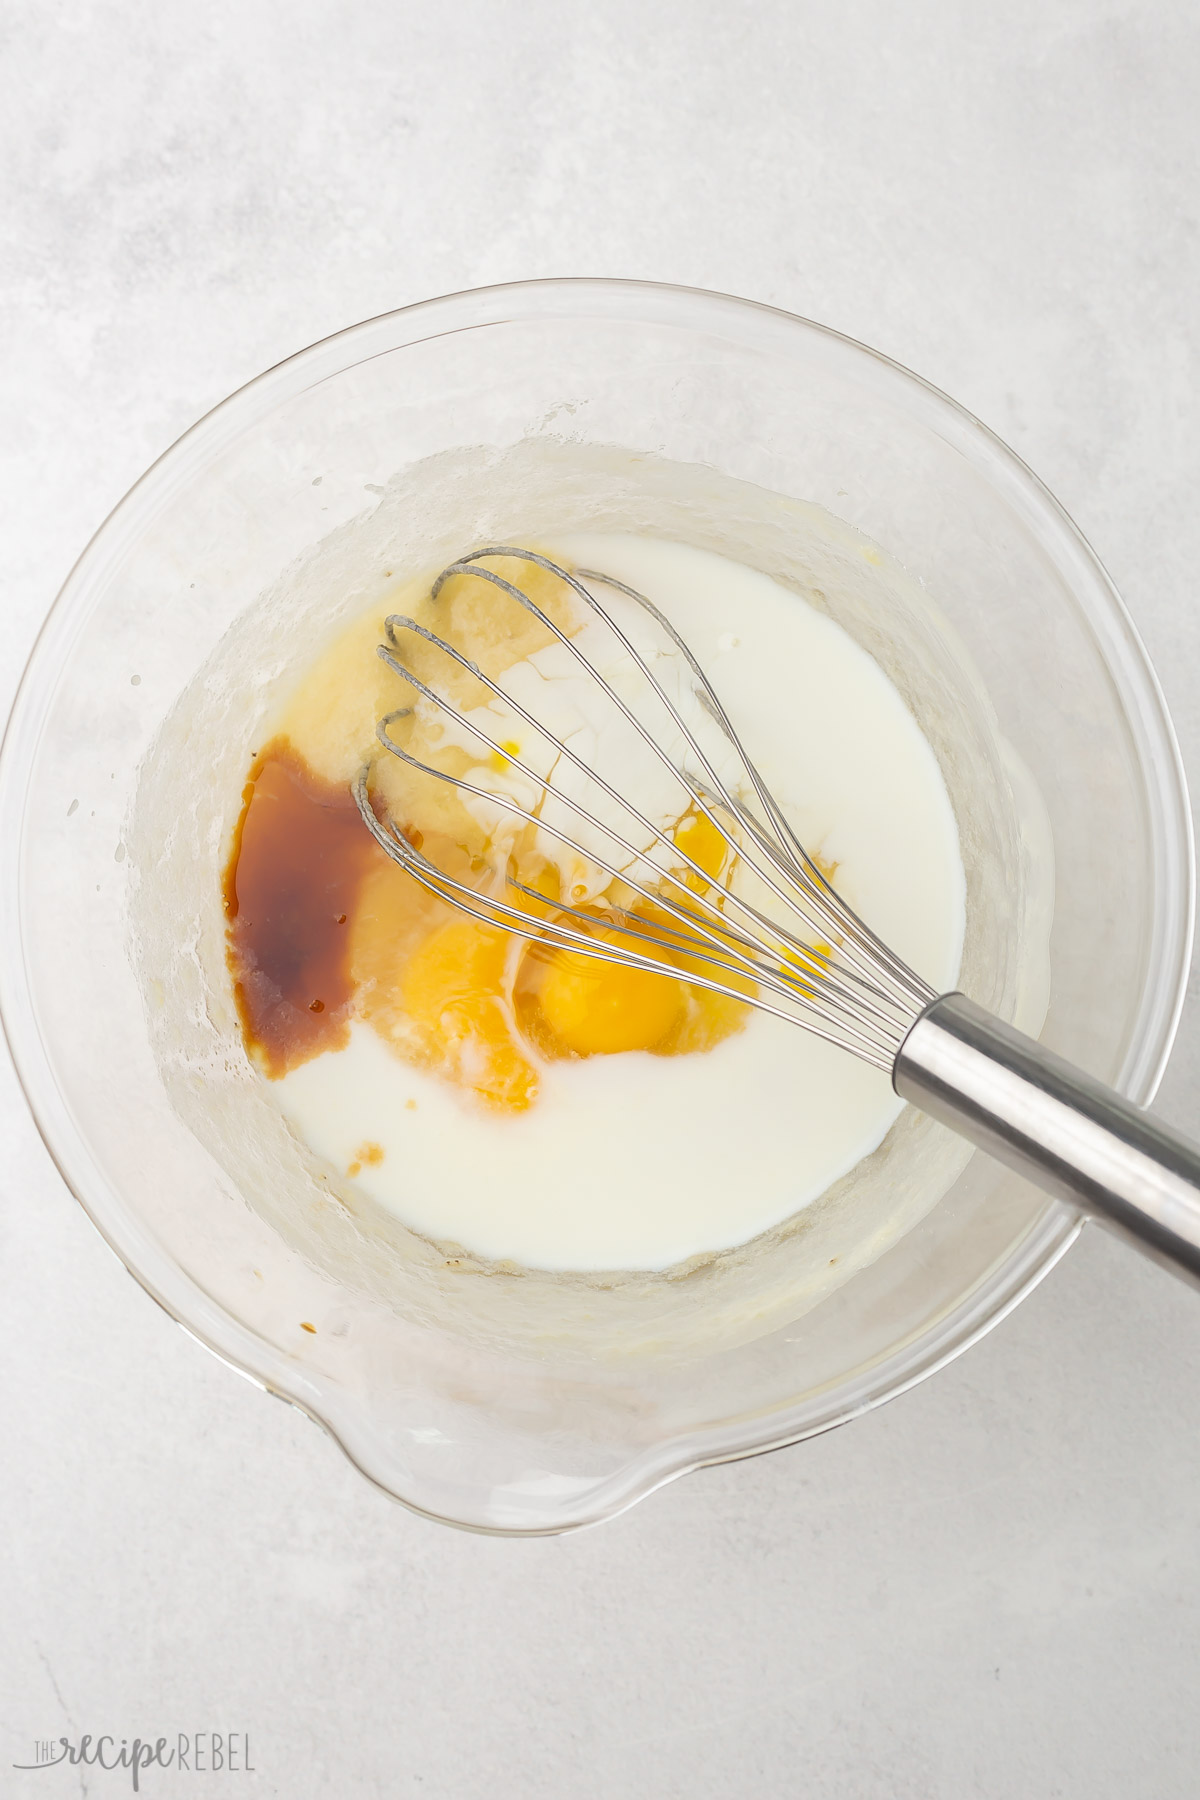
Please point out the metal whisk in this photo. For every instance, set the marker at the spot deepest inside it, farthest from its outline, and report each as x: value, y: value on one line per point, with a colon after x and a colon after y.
x: 772, y: 930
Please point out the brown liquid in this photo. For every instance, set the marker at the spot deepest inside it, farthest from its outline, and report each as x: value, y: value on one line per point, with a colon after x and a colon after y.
x: 300, y: 853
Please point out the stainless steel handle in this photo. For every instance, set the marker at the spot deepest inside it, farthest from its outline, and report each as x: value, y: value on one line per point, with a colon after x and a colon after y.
x: 1048, y: 1120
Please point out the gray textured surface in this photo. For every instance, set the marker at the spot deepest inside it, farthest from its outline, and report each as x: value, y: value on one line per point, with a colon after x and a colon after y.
x: 990, y: 1588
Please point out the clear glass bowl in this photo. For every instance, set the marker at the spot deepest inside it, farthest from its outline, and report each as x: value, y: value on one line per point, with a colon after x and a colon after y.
x: 514, y: 1444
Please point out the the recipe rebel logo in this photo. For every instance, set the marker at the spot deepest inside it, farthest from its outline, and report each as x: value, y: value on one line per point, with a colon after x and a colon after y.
x: 199, y: 1753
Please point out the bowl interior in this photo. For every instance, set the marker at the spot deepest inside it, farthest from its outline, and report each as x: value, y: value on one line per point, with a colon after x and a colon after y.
x: 618, y: 382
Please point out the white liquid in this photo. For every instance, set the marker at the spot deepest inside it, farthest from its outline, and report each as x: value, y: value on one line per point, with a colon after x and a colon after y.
x: 638, y: 1161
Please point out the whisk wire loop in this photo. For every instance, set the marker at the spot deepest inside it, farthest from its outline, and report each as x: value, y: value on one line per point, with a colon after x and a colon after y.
x: 852, y: 991
x: 760, y: 964
x: 506, y: 803
x: 731, y: 950
x: 876, y: 958
x: 821, y: 1020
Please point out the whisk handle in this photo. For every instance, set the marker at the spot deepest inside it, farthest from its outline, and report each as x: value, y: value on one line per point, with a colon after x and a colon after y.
x: 1045, y: 1118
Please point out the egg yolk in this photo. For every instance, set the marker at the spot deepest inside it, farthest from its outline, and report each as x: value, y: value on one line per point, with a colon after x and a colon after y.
x: 702, y: 843
x: 594, y: 1008
x: 451, y: 991
x: 436, y: 992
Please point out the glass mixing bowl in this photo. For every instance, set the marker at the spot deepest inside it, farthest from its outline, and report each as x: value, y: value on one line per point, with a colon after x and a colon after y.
x: 481, y: 1439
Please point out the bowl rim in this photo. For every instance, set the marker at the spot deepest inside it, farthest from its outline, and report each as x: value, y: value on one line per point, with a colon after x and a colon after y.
x: 636, y: 302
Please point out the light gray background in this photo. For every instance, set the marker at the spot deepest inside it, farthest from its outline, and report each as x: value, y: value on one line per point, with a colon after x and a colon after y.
x: 992, y: 1586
